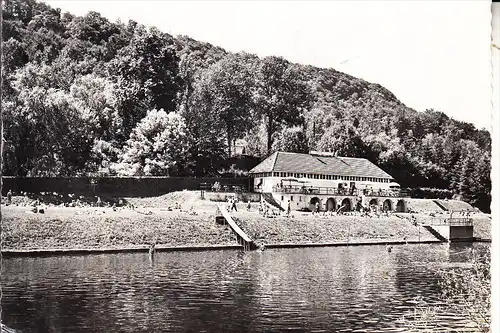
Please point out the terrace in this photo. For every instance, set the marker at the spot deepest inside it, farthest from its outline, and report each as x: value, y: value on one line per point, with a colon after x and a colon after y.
x: 303, y: 189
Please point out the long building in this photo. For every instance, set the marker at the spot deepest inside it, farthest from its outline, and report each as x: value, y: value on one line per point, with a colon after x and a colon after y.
x: 331, y: 181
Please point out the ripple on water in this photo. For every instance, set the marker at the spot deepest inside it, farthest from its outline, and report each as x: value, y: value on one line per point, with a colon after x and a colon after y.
x: 358, y: 289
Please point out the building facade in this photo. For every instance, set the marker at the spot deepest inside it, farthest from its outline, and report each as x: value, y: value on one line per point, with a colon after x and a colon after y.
x: 330, y: 181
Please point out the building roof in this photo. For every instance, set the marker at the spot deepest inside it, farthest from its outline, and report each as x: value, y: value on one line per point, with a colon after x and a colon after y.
x: 325, y: 165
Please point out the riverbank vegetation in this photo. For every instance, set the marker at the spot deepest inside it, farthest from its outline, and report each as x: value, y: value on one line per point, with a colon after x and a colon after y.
x: 466, y: 292
x: 83, y: 95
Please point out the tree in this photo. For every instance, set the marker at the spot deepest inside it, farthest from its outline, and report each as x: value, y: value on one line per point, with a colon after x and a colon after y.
x: 291, y: 139
x: 342, y: 139
x: 146, y: 73
x: 158, y: 145
x: 281, y: 96
x: 207, y: 142
x: 227, y: 84
x: 48, y: 134
x: 94, y: 97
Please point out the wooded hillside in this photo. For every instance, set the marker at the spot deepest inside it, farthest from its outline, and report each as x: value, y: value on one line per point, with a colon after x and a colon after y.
x: 83, y: 95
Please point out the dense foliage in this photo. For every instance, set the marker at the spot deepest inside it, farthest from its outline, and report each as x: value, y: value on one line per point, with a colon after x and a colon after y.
x: 79, y: 95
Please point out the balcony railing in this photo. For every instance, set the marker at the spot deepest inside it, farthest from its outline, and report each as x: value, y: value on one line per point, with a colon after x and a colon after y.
x: 293, y: 189
x: 455, y: 221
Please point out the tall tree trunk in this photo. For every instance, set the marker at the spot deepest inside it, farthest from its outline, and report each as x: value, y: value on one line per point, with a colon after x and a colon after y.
x: 270, y: 131
x: 229, y: 141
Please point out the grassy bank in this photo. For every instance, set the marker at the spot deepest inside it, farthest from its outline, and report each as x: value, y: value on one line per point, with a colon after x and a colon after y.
x: 89, y: 228
x: 307, y: 228
x: 183, y: 219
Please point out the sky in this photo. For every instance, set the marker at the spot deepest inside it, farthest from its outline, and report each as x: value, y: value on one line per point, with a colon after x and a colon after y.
x: 430, y: 54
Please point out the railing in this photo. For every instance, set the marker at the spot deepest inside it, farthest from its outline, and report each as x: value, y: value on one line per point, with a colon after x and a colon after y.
x: 223, y: 188
x: 293, y: 189
x: 454, y: 221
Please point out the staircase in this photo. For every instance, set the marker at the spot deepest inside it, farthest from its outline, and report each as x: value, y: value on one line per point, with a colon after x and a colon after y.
x: 268, y: 197
x: 440, y: 205
x: 435, y: 233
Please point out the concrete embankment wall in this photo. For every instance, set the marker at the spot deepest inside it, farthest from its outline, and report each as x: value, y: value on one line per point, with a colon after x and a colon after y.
x: 455, y: 232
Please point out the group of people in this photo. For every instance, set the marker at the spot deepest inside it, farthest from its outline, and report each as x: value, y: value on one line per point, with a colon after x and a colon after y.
x: 216, y: 187
x: 266, y: 211
x: 232, y: 203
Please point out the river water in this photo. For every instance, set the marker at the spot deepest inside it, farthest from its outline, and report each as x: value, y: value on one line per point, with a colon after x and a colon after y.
x: 336, y: 289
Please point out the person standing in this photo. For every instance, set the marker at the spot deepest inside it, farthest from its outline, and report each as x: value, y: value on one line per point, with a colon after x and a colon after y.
x: 288, y: 208
x: 9, y: 197
x: 233, y: 205
x: 317, y: 207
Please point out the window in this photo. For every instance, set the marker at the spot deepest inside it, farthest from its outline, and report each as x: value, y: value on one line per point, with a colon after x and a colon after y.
x: 282, y: 198
x: 291, y: 198
x: 300, y: 198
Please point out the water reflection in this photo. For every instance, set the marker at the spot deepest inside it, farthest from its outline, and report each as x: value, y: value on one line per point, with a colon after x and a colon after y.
x: 317, y: 289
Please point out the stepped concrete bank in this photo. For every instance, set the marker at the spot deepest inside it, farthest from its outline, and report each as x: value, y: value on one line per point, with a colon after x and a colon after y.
x: 182, y: 221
